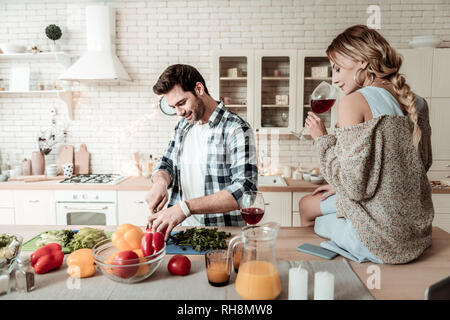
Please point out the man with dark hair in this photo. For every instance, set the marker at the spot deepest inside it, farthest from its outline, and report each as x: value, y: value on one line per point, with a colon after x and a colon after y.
x: 210, y: 160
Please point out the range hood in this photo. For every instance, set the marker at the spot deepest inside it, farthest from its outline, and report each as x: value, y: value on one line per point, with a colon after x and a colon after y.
x: 100, y: 62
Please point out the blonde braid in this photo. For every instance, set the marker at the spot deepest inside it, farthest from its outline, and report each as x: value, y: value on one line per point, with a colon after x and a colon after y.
x: 407, y: 98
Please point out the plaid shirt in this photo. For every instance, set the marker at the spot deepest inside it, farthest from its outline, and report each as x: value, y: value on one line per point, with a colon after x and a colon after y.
x: 231, y: 162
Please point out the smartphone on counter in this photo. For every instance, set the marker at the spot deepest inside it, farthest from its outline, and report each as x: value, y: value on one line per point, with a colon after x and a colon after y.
x: 317, y: 251
x: 439, y: 291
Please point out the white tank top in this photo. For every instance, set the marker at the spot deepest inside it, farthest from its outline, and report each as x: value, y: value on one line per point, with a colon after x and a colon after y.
x: 193, y: 166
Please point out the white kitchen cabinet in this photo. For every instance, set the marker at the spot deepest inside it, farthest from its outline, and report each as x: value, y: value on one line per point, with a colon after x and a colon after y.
x: 441, y: 74
x: 275, y: 90
x: 441, y: 203
x: 296, y: 196
x: 233, y: 80
x: 7, y: 212
x: 279, y: 208
x: 132, y: 208
x: 417, y: 66
x: 34, y: 207
x: 440, y: 128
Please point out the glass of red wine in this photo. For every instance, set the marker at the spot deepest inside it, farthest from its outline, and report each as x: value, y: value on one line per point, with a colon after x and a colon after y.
x: 252, y: 210
x: 322, y: 99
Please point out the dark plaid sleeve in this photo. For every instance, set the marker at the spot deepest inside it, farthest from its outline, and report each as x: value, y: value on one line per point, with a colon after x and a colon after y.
x: 244, y: 170
x: 166, y: 161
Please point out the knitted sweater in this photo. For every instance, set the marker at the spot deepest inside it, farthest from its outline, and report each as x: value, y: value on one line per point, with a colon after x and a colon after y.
x: 381, y: 184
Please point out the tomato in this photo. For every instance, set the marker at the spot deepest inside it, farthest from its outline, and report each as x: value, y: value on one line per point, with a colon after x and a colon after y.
x: 121, y: 259
x: 179, y: 265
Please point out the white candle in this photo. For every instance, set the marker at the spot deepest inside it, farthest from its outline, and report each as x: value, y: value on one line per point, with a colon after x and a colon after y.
x: 323, y: 286
x: 298, y: 284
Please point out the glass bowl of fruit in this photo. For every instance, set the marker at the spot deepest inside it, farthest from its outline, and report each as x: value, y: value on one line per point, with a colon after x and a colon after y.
x: 126, y: 266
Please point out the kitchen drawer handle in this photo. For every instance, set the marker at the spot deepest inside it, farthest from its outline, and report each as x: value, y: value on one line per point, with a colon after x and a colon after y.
x: 70, y: 208
x: 139, y: 201
x: 267, y: 204
x: 33, y: 201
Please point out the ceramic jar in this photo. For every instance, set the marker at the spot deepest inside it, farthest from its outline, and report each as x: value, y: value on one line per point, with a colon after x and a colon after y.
x: 37, y: 163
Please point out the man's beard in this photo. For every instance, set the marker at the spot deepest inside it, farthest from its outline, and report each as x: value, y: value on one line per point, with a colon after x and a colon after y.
x: 198, y: 111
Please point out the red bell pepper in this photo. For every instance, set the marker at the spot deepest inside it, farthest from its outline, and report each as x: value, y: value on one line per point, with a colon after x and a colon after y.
x: 47, y: 258
x: 151, y: 243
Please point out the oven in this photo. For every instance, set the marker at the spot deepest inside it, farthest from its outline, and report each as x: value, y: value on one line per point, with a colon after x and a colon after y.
x: 86, y: 207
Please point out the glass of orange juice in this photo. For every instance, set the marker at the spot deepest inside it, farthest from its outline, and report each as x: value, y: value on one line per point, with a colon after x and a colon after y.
x: 217, y: 267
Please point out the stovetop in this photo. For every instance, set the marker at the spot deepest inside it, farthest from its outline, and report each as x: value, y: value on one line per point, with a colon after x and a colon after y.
x: 94, y: 179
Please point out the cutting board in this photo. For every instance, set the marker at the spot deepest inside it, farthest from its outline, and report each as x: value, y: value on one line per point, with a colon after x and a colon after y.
x: 81, y: 165
x: 35, y: 178
x: 65, y: 155
x: 172, y: 248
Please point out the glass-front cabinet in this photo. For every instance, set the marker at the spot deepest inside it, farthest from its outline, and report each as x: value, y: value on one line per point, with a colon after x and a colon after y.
x: 313, y: 68
x: 275, y: 83
x: 233, y: 81
x: 271, y: 89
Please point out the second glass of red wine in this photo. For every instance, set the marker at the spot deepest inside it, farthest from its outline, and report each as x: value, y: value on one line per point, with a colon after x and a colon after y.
x: 252, y: 210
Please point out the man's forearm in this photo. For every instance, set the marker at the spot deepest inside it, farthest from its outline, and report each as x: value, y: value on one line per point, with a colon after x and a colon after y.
x: 161, y: 177
x: 218, y: 202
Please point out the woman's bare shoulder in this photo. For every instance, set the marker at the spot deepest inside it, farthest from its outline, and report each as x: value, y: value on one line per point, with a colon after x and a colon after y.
x: 352, y: 109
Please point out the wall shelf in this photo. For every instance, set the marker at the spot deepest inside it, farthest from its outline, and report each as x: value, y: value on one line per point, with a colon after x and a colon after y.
x: 275, y: 106
x: 61, y: 57
x: 233, y: 78
x: 318, y: 78
x: 276, y: 78
x: 65, y: 95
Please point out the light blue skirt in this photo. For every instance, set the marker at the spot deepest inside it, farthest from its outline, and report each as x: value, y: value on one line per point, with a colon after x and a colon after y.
x: 343, y: 238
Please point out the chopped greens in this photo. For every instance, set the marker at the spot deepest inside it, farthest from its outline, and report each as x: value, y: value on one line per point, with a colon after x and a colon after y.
x: 201, y: 239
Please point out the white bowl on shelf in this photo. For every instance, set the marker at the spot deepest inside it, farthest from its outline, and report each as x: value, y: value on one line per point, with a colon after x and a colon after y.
x: 316, y: 179
x: 425, y: 41
x: 8, y: 48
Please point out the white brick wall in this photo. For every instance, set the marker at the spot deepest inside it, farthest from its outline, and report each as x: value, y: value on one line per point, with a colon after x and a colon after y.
x: 116, y: 120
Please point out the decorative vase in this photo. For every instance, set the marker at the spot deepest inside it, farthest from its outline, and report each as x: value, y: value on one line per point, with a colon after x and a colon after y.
x: 56, y: 47
x: 37, y: 163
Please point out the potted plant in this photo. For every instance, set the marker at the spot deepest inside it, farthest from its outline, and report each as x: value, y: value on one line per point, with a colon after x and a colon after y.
x: 54, y: 33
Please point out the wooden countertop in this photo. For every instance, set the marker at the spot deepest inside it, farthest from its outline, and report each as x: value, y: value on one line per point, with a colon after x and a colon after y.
x: 397, y: 282
x: 133, y: 183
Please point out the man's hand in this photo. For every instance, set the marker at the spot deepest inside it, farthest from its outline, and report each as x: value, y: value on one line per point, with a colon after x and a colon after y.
x: 165, y: 220
x: 328, y: 189
x: 157, y: 197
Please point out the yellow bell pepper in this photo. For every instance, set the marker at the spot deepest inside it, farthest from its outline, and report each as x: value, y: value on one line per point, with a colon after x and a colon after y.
x: 81, y: 263
x: 143, y: 269
x: 127, y: 237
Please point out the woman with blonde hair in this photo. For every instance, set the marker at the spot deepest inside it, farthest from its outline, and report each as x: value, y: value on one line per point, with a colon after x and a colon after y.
x: 377, y: 205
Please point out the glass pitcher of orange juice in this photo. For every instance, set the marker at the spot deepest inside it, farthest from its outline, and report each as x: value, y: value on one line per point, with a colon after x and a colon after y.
x: 257, y: 277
